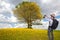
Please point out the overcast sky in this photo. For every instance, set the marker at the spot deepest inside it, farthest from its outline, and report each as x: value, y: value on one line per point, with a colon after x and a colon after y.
x: 7, y: 18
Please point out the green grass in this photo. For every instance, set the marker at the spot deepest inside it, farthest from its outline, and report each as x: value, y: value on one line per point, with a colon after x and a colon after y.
x: 26, y: 34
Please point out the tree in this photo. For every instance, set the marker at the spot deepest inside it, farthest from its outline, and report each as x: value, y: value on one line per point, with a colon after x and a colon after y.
x: 29, y: 11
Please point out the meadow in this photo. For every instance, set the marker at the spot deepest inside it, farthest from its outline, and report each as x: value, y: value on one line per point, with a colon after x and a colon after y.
x: 26, y: 34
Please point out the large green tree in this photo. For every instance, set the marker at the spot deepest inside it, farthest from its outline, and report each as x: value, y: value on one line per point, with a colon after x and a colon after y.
x: 29, y: 11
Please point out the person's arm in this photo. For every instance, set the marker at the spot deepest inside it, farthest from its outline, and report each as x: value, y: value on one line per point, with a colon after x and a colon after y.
x: 44, y: 16
x: 47, y: 17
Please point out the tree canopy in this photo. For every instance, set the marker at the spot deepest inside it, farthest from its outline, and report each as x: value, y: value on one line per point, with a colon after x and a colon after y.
x: 28, y: 11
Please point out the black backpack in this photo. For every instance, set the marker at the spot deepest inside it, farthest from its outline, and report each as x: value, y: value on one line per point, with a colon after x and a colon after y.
x: 55, y: 24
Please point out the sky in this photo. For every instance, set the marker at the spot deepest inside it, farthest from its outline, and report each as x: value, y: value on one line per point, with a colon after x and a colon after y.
x: 8, y: 20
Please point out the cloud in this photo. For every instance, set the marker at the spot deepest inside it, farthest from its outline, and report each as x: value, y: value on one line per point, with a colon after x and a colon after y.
x: 14, y: 2
x: 12, y: 19
x: 6, y: 10
x: 6, y: 6
x: 2, y: 17
x: 48, y: 8
x: 21, y: 25
x: 6, y: 15
x: 46, y: 1
x: 43, y: 26
x: 2, y: 25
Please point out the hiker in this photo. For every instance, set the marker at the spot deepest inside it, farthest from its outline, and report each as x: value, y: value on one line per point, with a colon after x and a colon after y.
x: 53, y: 23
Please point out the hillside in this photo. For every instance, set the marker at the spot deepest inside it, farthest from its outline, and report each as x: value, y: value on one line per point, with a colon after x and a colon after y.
x: 26, y: 34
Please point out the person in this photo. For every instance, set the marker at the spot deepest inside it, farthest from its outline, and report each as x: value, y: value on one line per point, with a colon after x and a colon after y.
x: 50, y: 30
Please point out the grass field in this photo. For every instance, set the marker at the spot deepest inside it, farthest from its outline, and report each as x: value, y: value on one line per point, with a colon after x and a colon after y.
x: 26, y: 34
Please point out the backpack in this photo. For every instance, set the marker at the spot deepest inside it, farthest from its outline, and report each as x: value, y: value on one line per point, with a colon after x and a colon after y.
x: 54, y: 24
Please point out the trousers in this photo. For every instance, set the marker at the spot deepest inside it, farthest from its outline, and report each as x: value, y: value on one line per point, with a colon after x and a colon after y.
x: 50, y: 33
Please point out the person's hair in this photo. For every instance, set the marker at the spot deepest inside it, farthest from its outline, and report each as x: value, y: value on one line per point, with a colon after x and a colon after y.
x: 52, y: 16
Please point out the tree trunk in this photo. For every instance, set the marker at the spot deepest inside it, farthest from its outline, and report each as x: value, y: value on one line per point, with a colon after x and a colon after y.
x: 30, y: 25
